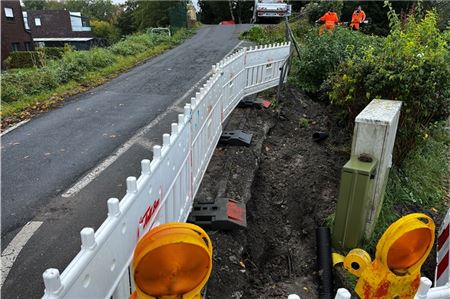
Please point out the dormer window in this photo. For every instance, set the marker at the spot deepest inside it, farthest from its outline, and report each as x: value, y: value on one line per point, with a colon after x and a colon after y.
x: 37, y: 22
x: 9, y: 14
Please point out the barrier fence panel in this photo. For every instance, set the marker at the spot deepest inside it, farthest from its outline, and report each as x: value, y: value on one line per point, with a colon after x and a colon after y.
x: 165, y: 190
x: 442, y: 275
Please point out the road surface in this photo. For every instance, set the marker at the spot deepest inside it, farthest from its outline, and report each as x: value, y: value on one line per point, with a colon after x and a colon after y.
x: 59, y: 169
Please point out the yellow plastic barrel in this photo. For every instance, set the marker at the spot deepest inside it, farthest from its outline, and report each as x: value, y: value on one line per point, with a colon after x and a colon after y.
x: 173, y: 260
x: 400, y: 253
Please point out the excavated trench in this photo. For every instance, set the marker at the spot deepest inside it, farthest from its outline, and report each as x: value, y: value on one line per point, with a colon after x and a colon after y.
x: 289, y: 184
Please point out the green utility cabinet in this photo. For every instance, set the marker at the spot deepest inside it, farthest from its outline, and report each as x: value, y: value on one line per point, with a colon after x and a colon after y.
x: 357, y: 179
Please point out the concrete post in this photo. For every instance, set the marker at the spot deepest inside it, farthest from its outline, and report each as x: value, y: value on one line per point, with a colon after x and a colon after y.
x: 374, y: 134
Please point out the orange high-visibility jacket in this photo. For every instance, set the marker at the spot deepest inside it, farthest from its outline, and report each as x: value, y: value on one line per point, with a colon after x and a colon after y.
x: 357, y: 18
x: 330, y: 19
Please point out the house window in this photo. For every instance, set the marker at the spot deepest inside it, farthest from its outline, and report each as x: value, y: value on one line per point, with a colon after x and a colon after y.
x: 25, y: 20
x: 37, y: 22
x: 9, y: 13
x: 15, y: 47
x: 28, y: 46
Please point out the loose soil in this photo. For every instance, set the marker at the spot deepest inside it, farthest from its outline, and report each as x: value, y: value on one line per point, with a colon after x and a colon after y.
x: 289, y: 183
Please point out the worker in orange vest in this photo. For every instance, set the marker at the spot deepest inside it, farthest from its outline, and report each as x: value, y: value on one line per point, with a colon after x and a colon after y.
x: 357, y: 18
x: 330, y: 19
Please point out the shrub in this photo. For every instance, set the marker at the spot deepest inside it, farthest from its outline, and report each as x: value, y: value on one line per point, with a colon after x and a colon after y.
x: 159, y: 37
x: 74, y: 65
x: 412, y: 66
x: 320, y: 55
x: 101, y: 57
x: 103, y: 29
x: 265, y: 35
x: 17, y: 84
x: 315, y: 9
x: 54, y: 52
x: 24, y: 59
x: 133, y: 45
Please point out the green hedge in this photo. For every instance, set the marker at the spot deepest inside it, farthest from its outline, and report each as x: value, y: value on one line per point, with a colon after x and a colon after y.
x: 24, y: 59
x: 37, y: 58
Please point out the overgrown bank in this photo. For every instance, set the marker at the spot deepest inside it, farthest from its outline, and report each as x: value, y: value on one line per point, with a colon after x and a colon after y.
x: 412, y: 64
x: 29, y: 91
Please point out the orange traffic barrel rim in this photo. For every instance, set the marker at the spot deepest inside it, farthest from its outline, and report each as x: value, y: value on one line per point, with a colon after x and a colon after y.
x: 405, y: 245
x: 172, y: 259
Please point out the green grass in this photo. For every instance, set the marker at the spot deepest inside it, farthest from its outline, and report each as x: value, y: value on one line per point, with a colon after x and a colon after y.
x: 49, y: 98
x: 419, y: 185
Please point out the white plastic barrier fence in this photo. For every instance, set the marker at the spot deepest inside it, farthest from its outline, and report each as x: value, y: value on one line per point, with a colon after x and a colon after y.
x: 165, y: 190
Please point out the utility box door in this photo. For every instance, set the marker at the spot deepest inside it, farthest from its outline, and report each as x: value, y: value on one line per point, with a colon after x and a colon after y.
x: 357, y: 180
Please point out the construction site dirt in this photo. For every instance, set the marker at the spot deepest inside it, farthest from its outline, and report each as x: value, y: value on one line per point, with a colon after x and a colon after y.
x: 289, y: 184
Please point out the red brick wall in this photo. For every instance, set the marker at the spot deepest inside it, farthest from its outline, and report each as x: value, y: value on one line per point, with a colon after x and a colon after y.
x: 13, y: 31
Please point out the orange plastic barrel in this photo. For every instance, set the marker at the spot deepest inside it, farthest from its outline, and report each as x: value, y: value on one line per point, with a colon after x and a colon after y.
x: 172, y: 260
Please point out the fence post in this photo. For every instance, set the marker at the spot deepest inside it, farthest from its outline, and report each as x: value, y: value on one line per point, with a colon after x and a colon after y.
x: 374, y: 134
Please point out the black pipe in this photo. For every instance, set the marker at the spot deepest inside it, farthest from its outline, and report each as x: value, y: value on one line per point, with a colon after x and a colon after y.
x: 324, y: 262
x: 319, y: 136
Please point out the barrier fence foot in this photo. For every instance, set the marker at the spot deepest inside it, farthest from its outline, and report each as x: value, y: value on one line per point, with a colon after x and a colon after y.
x: 254, y: 102
x: 222, y: 213
x: 236, y: 137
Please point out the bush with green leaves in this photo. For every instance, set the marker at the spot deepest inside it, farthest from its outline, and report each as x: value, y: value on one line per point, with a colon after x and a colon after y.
x: 104, y: 29
x: 101, y: 57
x: 412, y: 65
x: 18, y: 83
x: 132, y: 45
x: 265, y: 35
x: 74, y: 65
x: 25, y: 59
x: 320, y: 55
x: 315, y: 9
x: 54, y: 52
x: 23, y: 84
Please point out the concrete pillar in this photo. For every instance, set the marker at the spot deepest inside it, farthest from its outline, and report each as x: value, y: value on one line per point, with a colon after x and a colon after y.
x: 374, y: 134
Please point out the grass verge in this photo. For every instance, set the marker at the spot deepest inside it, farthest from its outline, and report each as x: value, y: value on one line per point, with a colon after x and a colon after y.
x: 28, y: 106
x: 419, y: 185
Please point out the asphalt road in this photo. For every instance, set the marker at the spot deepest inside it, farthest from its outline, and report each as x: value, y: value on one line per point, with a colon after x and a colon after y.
x: 99, y: 138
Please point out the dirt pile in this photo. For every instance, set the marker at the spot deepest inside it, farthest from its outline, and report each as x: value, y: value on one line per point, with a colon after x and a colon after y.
x: 293, y: 183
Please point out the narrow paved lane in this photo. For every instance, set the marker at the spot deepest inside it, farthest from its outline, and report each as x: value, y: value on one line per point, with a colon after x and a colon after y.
x: 48, y: 154
x: 45, y: 157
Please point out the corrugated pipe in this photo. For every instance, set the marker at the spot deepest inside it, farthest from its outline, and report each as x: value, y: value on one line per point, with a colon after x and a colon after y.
x: 324, y: 262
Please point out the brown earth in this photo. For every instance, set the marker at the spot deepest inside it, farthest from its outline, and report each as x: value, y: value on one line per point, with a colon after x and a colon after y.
x: 289, y: 184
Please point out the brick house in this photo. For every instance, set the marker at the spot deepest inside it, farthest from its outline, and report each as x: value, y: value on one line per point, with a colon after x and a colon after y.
x: 54, y: 28
x: 14, y: 35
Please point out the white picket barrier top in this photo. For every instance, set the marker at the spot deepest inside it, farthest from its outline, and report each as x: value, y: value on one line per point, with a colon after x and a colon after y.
x: 166, y: 188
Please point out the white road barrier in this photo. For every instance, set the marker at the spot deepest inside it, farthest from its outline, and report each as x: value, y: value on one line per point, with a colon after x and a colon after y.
x: 442, y: 276
x: 165, y: 190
